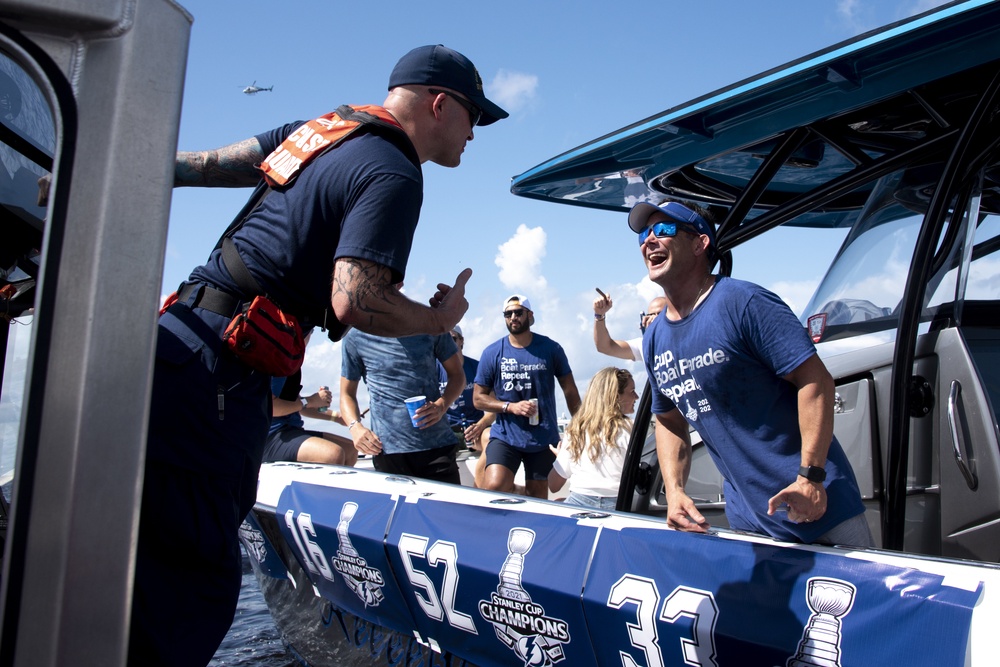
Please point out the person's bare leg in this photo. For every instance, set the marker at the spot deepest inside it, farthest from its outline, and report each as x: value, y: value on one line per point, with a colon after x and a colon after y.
x: 479, y: 474
x: 537, y: 488
x: 330, y: 449
x: 498, y: 478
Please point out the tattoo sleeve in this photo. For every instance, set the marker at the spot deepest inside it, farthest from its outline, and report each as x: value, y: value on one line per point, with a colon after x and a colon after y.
x: 373, y: 303
x: 231, y: 166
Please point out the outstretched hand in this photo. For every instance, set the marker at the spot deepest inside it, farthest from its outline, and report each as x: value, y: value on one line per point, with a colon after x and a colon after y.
x: 450, y: 301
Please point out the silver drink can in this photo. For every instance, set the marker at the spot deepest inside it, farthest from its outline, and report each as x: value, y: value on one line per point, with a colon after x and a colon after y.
x: 533, y: 419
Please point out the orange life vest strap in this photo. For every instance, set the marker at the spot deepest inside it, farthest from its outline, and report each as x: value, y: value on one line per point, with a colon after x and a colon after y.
x: 317, y: 136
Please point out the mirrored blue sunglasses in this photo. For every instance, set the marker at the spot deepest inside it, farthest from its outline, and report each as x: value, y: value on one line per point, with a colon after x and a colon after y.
x: 662, y: 230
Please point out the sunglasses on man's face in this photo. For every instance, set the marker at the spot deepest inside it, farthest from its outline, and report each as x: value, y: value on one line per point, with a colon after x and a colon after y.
x: 517, y: 312
x: 475, y: 113
x: 664, y: 230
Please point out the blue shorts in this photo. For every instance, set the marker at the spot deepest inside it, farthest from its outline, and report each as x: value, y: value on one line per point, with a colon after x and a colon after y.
x: 536, y: 464
x: 284, y: 444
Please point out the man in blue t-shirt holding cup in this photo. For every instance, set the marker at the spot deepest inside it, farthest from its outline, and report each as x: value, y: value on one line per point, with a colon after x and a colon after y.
x: 731, y: 360
x: 516, y: 380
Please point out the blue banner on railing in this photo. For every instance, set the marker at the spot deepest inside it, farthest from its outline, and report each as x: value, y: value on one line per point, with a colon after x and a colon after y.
x: 260, y: 549
x: 700, y: 600
x: 542, y: 585
x: 339, y: 537
x: 495, y: 585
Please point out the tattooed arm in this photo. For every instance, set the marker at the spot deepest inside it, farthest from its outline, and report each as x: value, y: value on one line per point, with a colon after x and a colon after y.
x: 364, y: 297
x: 232, y: 166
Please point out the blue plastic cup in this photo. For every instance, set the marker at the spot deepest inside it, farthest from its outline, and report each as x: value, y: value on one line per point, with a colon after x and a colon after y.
x: 412, y: 404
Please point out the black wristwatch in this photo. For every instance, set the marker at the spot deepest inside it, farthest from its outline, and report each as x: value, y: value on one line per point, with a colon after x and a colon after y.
x: 813, y: 473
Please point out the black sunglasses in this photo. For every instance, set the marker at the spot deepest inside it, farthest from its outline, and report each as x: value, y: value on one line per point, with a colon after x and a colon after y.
x: 519, y: 312
x: 475, y: 113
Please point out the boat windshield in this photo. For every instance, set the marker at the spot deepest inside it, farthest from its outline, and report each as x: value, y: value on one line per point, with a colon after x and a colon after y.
x: 860, y: 294
x: 27, y: 142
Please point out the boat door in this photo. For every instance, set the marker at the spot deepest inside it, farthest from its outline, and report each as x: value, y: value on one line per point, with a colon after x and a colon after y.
x: 967, y: 392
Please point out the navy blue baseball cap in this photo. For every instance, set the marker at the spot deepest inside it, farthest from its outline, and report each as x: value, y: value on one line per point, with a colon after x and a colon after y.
x: 437, y: 65
x: 638, y: 218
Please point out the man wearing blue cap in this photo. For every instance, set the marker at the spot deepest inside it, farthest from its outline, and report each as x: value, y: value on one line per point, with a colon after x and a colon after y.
x: 326, y: 236
x: 731, y: 359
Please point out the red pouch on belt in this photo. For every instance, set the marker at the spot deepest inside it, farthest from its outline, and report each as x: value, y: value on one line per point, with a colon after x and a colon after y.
x: 266, y: 339
x: 169, y: 301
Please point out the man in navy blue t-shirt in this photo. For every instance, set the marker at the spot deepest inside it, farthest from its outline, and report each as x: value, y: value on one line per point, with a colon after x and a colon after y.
x: 516, y: 380
x: 731, y: 359
x: 327, y: 247
x: 470, y: 424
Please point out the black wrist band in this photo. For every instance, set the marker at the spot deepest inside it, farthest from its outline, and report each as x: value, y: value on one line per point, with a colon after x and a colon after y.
x: 813, y: 473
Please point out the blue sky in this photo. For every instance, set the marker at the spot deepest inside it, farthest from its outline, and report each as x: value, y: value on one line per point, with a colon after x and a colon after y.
x: 567, y: 72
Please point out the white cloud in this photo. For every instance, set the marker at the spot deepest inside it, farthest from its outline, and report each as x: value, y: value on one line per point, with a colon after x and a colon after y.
x: 513, y: 90
x: 795, y: 293
x: 520, y: 260
x: 848, y: 10
x: 921, y: 6
x: 861, y: 16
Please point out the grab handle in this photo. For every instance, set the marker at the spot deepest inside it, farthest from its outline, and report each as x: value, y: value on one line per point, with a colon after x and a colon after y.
x: 957, y: 441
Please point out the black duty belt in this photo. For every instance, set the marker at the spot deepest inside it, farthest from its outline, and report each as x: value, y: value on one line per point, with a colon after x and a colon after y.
x: 216, y: 301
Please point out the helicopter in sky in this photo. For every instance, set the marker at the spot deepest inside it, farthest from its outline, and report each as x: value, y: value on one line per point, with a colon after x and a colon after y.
x: 253, y: 89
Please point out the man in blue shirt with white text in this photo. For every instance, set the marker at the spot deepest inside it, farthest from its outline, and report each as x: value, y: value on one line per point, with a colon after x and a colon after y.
x: 731, y: 359
x: 516, y: 380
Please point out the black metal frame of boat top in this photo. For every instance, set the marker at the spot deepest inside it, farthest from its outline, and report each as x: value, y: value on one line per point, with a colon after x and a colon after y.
x: 966, y: 159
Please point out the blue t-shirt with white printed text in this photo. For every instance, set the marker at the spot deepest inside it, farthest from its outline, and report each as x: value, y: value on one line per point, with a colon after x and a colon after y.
x: 722, y: 366
x: 517, y: 374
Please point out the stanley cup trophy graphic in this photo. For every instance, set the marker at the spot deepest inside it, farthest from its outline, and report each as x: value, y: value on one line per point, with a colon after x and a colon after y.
x: 347, y: 513
x: 369, y: 592
x: 534, y: 650
x: 519, y: 541
x: 829, y: 600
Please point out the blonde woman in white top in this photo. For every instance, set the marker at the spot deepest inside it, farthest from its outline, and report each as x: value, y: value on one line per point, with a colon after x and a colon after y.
x: 592, y: 450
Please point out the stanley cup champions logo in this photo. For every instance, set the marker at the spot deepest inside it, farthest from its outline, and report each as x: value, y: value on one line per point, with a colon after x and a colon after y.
x: 365, y: 581
x: 253, y: 541
x: 521, y: 625
x: 829, y: 600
